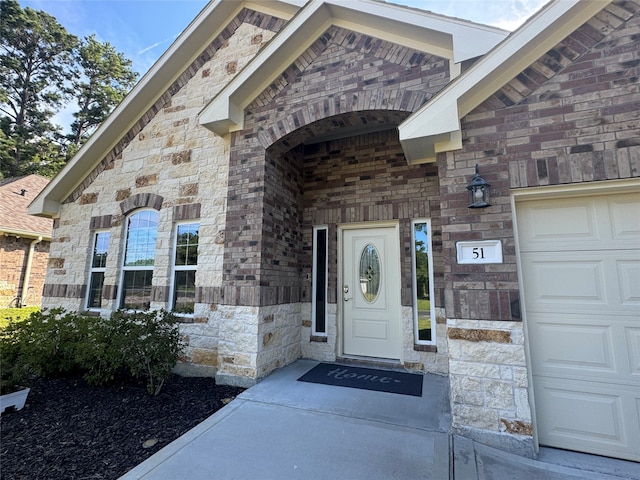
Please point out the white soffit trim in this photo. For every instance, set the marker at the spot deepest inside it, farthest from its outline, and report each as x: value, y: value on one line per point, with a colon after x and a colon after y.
x: 199, y: 34
x: 436, y: 126
x: 450, y: 38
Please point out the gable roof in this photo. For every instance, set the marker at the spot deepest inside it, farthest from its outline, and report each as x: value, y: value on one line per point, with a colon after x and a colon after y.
x: 422, y: 138
x: 420, y: 135
x: 456, y: 39
x: 209, y: 23
x: 451, y: 38
x: 15, y: 196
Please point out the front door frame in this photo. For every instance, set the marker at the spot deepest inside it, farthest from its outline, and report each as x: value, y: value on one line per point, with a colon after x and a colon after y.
x: 340, y: 310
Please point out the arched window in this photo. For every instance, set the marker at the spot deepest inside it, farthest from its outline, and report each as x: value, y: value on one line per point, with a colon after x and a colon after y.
x: 139, y: 259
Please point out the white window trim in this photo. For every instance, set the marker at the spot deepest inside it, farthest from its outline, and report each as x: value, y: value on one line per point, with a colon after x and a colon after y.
x: 123, y: 268
x: 176, y: 268
x: 414, y: 286
x: 93, y: 269
x: 314, y: 278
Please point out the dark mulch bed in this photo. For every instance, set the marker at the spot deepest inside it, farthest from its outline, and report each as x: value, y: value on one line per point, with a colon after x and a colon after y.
x: 69, y: 430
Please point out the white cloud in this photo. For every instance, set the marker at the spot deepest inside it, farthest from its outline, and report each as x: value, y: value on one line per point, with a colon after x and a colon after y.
x: 506, y: 14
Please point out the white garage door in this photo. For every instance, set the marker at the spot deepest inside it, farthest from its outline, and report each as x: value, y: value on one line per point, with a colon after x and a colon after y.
x: 581, y: 281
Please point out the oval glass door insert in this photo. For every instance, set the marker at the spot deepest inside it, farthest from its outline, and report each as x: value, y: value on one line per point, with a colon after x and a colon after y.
x: 370, y: 273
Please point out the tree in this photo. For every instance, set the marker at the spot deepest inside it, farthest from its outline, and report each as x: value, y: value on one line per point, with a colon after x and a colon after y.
x: 106, y: 78
x: 43, y: 68
x: 36, y: 66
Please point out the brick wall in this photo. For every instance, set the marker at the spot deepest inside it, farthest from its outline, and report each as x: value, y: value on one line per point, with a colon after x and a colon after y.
x: 571, y: 117
x: 13, y: 256
x: 344, y: 80
x: 366, y: 178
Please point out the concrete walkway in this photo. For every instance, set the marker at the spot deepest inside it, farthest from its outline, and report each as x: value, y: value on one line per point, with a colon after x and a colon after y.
x: 285, y: 429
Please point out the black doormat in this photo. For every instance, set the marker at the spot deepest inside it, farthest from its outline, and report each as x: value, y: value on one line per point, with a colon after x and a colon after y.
x: 365, y: 378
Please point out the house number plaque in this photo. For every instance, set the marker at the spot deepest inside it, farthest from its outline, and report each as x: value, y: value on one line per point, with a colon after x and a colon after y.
x: 486, y: 251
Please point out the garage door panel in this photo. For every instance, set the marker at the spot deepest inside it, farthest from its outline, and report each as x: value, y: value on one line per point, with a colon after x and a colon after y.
x: 567, y: 283
x: 575, y: 347
x: 543, y: 221
x: 581, y: 223
x: 588, y: 347
x: 625, y: 217
x: 633, y: 347
x: 587, y: 417
x: 628, y: 273
x: 601, y: 281
x: 580, y: 260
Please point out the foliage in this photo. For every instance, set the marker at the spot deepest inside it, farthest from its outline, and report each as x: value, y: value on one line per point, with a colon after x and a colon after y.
x: 154, y: 347
x: 13, y: 369
x: 141, y: 345
x: 43, y: 69
x: 35, y: 68
x: 106, y: 79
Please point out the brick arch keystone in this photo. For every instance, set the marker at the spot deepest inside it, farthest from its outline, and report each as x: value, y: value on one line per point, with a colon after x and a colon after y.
x: 141, y: 200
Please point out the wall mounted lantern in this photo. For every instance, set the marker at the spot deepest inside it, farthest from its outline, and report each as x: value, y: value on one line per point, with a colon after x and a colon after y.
x: 478, y: 191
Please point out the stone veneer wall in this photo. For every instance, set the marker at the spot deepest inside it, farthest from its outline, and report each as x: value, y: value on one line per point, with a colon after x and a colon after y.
x: 170, y: 163
x: 571, y: 117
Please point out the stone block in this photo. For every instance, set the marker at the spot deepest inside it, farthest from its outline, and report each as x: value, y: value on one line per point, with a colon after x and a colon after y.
x: 498, y: 394
x: 205, y: 357
x: 475, y: 417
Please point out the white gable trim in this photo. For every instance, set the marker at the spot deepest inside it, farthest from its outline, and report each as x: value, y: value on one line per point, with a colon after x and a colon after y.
x: 436, y: 126
x: 454, y: 39
x: 200, y: 33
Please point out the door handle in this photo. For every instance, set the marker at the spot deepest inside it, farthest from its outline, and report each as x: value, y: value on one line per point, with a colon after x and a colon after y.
x: 345, y: 289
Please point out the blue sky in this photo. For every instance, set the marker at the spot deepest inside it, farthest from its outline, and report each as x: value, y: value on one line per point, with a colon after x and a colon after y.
x: 144, y: 29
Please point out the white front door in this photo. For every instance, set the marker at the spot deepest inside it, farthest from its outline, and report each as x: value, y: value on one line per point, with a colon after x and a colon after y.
x: 581, y: 279
x: 371, y: 292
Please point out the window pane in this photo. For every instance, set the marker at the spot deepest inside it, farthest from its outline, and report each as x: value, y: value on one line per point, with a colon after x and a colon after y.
x: 100, y: 250
x: 184, y: 293
x: 141, y: 239
x: 187, y: 245
x: 136, y: 289
x: 370, y: 273
x: 421, y: 272
x: 95, y: 290
x: 321, y: 281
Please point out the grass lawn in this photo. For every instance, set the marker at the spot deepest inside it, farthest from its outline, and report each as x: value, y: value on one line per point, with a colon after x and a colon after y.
x: 424, y: 320
x: 15, y: 314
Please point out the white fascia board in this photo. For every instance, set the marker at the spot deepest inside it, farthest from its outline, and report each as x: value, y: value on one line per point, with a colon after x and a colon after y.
x: 198, y: 34
x: 25, y: 234
x: 451, y: 38
x: 441, y: 116
x: 225, y: 112
x: 412, y: 28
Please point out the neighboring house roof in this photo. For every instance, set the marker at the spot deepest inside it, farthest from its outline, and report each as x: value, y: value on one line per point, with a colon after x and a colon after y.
x: 421, y: 136
x: 15, y: 196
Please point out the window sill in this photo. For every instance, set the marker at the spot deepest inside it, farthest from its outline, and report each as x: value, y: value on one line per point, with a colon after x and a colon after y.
x: 318, y: 338
x: 418, y: 347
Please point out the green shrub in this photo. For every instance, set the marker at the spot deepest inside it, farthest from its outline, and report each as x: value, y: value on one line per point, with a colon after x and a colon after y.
x: 142, y: 345
x: 14, y: 371
x: 154, y: 345
x: 50, y: 339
